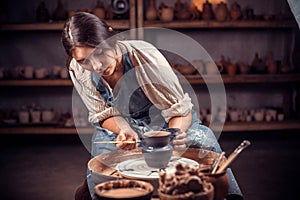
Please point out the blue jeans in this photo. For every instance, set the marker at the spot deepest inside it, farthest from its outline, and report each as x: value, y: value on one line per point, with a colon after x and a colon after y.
x: 198, y: 136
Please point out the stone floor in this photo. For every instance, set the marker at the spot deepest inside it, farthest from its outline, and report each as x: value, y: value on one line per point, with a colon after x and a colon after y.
x: 48, y: 167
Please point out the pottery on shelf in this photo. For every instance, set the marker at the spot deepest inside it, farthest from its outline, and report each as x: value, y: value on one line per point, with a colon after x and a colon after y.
x: 258, y: 65
x: 235, y: 11
x: 181, y: 11
x: 207, y: 11
x: 99, y: 10
x: 231, y: 69
x: 42, y: 13
x: 151, y: 12
x: 165, y: 13
x: 271, y: 64
x: 221, y: 12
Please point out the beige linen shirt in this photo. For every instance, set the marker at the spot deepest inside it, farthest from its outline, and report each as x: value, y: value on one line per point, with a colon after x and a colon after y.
x: 154, y: 74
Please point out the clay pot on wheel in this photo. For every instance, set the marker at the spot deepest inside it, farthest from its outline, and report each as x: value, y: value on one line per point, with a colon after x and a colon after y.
x: 157, y: 149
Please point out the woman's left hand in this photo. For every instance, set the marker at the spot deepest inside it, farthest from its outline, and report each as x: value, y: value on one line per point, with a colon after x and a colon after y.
x: 179, y: 142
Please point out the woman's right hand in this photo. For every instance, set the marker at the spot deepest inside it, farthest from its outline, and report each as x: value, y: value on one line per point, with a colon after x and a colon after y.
x: 125, y: 136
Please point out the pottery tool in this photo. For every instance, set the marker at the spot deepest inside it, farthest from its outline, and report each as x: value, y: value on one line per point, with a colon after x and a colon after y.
x: 216, y: 163
x: 115, y: 142
x: 233, y: 155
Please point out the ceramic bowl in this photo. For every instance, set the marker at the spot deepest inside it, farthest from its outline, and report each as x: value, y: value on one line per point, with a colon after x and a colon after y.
x: 186, y: 69
x: 124, y: 189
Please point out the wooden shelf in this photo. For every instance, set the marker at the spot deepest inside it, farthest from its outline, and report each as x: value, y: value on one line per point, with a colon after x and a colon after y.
x: 35, y: 82
x: 45, y: 130
x: 57, y: 26
x: 261, y: 126
x: 249, y: 78
x: 226, y: 24
x: 228, y: 127
x: 192, y: 79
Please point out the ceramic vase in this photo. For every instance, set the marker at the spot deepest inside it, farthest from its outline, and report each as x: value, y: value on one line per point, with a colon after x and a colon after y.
x: 207, y: 11
x: 235, y: 11
x: 42, y: 13
x: 221, y: 12
x: 151, y: 12
x: 271, y: 64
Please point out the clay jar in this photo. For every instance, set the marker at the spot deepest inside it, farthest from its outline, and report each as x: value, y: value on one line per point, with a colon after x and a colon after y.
x: 166, y: 14
x: 151, y: 12
x: 23, y: 116
x: 231, y: 69
x: 271, y: 64
x: 207, y: 11
x: 243, y: 68
x: 220, y: 182
x: 42, y: 13
x: 181, y: 11
x: 27, y: 72
x: 235, y: 11
x: 221, y: 12
x: 47, y: 116
x: 157, y: 149
x: 41, y: 72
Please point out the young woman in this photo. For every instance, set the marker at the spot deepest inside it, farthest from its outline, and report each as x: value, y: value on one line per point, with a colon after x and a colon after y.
x: 127, y: 87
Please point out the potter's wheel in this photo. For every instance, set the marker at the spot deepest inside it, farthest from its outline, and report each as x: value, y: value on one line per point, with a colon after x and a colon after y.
x: 137, y: 168
x: 103, y: 167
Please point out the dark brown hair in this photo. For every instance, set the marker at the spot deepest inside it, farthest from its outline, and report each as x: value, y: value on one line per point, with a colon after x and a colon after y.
x: 85, y: 29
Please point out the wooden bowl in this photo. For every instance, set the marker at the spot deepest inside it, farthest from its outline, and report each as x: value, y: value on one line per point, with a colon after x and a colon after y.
x: 124, y: 189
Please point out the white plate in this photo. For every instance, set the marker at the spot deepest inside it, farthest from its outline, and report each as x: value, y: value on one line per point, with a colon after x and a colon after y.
x: 137, y: 168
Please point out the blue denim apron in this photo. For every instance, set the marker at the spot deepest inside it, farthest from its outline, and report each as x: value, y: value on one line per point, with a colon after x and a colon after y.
x: 141, y: 114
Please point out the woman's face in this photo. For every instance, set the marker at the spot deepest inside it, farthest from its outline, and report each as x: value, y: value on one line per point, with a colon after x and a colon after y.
x: 97, y: 60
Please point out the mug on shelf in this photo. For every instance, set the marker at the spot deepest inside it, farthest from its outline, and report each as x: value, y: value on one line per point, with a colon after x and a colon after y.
x: 35, y: 116
x: 23, y: 117
x: 213, y: 69
x: 27, y: 72
x: 47, y: 115
x: 41, y: 72
x: 64, y: 73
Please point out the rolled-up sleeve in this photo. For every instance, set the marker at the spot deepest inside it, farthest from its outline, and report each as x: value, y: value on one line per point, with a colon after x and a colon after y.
x: 94, y: 102
x: 158, y: 81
